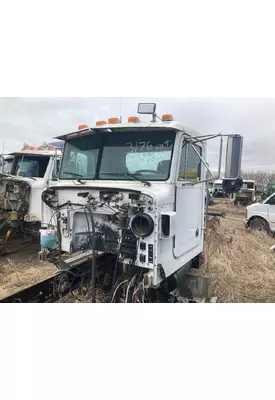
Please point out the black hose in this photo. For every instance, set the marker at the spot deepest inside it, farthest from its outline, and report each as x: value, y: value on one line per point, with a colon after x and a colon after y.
x: 117, y: 257
x: 44, y: 197
x: 93, y: 257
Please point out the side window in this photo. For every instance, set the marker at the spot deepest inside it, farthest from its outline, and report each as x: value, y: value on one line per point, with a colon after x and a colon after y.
x: 190, y: 163
x: 271, y: 201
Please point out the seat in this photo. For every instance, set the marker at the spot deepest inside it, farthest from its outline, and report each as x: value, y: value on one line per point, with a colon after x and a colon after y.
x: 114, y: 164
x: 163, y: 167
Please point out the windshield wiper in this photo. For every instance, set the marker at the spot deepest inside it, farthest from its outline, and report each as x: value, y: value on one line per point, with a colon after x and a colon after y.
x: 73, y: 174
x: 128, y: 175
x: 78, y: 176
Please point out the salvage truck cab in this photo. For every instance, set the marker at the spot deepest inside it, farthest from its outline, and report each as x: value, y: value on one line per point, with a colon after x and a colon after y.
x: 29, y: 172
x: 135, y: 190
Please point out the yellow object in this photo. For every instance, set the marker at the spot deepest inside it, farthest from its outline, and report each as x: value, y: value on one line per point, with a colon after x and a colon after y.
x: 13, y: 216
x: 8, y: 234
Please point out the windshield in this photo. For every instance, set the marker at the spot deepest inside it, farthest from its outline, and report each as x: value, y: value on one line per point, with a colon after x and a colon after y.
x: 30, y: 166
x: 8, y: 165
x: 248, y: 185
x: 119, y: 156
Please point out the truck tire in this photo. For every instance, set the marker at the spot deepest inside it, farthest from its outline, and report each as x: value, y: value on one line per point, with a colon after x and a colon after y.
x: 260, y: 225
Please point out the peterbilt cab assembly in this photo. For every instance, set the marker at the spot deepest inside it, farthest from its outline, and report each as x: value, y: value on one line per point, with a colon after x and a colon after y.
x: 135, y: 190
x: 23, y: 177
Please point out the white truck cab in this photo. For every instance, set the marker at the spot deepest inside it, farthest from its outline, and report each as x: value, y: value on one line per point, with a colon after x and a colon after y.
x: 135, y: 190
x: 261, y: 216
x: 29, y: 172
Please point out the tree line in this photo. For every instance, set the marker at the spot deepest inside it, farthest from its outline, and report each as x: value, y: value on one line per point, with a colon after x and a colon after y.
x: 260, y: 177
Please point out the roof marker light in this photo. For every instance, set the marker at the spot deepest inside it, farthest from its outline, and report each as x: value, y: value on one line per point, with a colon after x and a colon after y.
x: 113, y: 121
x: 133, y: 120
x: 167, y: 117
x: 32, y: 148
x: 82, y: 127
x: 99, y: 123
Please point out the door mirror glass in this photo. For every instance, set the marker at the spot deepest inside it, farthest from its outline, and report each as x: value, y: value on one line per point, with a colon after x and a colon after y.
x: 233, y: 157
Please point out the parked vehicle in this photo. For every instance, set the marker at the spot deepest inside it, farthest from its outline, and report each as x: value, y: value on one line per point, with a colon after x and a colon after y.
x: 260, y: 193
x: 270, y: 189
x: 261, y: 216
x: 218, y: 188
x: 23, y: 177
x: 247, y: 194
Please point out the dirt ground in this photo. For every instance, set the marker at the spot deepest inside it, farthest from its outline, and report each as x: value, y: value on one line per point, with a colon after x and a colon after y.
x: 239, y: 262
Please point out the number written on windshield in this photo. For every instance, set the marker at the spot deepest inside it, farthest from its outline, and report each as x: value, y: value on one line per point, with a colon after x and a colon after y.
x: 147, y: 146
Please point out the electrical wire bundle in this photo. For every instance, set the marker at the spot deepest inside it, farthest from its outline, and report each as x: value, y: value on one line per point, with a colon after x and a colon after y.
x: 114, y: 287
x: 139, y: 293
x: 116, y: 284
x: 80, y: 291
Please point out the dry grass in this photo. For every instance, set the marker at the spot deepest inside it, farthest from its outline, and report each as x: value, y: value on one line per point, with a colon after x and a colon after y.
x: 228, y: 206
x: 16, y: 275
x: 239, y: 263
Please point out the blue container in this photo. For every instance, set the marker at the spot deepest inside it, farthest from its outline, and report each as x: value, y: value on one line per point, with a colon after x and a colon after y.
x: 47, y: 238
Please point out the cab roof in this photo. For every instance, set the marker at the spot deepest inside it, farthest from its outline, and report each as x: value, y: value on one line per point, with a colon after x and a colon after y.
x: 35, y: 152
x: 174, y: 125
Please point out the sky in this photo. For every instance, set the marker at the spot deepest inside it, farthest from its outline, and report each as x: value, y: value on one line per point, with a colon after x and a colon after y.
x: 35, y: 120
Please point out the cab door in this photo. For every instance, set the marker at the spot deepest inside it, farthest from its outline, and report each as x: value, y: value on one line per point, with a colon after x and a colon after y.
x: 189, y: 202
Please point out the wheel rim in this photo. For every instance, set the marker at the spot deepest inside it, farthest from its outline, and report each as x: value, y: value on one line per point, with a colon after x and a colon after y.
x: 258, y: 226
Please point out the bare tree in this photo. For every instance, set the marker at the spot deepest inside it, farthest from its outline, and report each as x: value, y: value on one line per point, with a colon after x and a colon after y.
x: 260, y: 177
